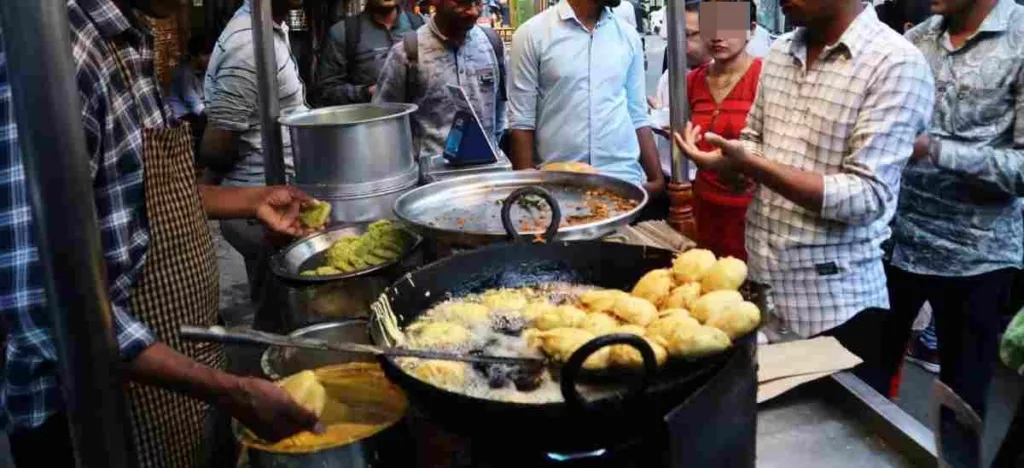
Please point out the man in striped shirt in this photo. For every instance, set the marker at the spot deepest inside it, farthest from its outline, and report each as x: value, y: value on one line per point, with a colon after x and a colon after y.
x: 841, y: 100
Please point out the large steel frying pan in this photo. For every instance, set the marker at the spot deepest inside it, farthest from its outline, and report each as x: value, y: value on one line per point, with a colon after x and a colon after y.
x: 577, y: 424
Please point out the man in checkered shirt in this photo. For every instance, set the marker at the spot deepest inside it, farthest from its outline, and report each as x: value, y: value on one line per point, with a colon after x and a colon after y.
x: 840, y: 103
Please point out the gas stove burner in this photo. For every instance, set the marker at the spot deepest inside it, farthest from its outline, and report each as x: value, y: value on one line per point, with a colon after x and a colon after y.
x: 563, y: 457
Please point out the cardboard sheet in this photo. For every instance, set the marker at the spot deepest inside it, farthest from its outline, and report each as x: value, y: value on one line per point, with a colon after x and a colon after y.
x: 783, y: 366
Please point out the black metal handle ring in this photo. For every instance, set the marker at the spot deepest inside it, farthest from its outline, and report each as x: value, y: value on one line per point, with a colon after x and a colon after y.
x: 571, y: 369
x: 506, y: 212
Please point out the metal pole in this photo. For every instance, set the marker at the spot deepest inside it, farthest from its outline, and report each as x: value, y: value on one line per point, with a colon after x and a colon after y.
x: 266, y: 81
x: 679, y: 110
x: 48, y: 111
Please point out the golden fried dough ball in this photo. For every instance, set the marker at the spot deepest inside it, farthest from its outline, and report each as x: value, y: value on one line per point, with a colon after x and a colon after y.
x: 654, y: 286
x: 438, y: 335
x: 726, y: 274
x: 698, y: 342
x: 736, y: 319
x: 713, y: 301
x: 601, y: 300
x: 628, y: 356
x: 560, y: 317
x: 668, y: 324
x: 466, y: 313
x: 536, y: 309
x: 599, y: 323
x: 560, y: 343
x: 682, y: 297
x: 578, y: 167
x: 635, y: 310
x: 504, y: 299
x: 692, y: 264
x: 444, y: 374
x: 306, y: 390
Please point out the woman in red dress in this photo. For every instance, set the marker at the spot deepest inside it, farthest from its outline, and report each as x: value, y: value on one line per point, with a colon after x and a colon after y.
x: 721, y: 94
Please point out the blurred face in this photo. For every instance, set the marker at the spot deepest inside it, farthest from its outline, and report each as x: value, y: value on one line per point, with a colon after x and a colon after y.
x: 724, y: 26
x: 950, y: 7
x: 805, y: 12
x: 459, y: 14
x: 610, y: 3
x: 696, y: 49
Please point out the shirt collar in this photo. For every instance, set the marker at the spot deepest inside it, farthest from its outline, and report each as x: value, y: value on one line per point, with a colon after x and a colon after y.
x: 854, y: 39
x: 247, y: 9
x: 998, y: 20
x: 109, y: 20
x: 566, y: 13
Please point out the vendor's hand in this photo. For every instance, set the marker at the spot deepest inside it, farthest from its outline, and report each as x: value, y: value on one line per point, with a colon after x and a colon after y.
x: 279, y: 210
x: 267, y: 410
x: 726, y: 156
x: 922, y: 148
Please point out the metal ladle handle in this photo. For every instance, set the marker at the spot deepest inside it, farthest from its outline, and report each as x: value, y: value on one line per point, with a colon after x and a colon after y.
x: 506, y: 213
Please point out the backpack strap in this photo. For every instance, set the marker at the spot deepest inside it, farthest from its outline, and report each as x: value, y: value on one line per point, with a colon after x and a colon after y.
x: 411, y: 44
x: 353, y: 28
x: 499, y: 53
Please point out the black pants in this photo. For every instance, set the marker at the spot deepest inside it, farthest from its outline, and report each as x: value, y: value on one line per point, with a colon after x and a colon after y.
x: 968, y: 319
x: 48, y: 445
x: 864, y: 335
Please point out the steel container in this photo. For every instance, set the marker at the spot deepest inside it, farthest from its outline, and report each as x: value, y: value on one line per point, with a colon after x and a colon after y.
x: 381, y: 450
x: 357, y: 157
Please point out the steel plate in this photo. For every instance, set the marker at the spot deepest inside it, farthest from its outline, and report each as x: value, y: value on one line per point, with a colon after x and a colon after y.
x: 466, y: 211
x: 309, y: 252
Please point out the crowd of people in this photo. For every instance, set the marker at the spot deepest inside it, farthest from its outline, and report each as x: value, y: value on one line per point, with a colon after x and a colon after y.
x: 862, y: 166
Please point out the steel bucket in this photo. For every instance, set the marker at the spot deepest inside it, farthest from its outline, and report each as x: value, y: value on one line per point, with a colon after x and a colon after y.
x: 357, y: 157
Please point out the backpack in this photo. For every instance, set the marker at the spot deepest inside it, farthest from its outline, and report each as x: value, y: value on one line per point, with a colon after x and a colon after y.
x: 412, y: 51
x: 354, y: 30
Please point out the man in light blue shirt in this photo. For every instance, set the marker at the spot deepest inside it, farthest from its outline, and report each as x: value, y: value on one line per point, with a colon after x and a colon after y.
x: 576, y: 93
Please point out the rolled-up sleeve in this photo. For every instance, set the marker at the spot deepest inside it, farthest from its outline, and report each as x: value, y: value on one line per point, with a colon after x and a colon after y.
x: 229, y: 103
x: 522, y: 88
x: 636, y: 96
x: 895, y: 111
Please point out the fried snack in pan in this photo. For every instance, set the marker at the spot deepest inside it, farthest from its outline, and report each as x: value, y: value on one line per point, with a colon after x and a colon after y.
x: 635, y: 310
x: 560, y: 343
x: 736, y: 319
x: 565, y: 316
x: 465, y: 313
x: 601, y: 300
x: 435, y: 335
x: 628, y: 356
x: 504, y: 299
x: 691, y: 265
x: 683, y: 296
x: 697, y: 342
x: 599, y: 323
x: 712, y: 302
x: 667, y: 325
x: 727, y: 274
x: 654, y: 286
x: 444, y: 374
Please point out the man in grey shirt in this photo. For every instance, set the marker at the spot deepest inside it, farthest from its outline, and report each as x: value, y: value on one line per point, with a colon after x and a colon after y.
x: 354, y: 52
x: 232, y: 149
x: 958, y: 230
x: 449, y: 49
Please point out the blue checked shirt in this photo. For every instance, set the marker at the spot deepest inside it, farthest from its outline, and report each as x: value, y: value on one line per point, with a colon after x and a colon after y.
x: 113, y: 122
x: 852, y: 117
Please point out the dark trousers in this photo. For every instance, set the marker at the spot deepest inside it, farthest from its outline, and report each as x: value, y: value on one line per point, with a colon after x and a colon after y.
x: 968, y: 319
x: 48, y: 445
x: 865, y: 336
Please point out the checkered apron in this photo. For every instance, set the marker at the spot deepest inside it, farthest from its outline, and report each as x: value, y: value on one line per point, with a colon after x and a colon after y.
x: 178, y: 286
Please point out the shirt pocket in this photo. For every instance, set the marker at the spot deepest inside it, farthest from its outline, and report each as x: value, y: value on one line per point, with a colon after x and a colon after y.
x: 980, y: 111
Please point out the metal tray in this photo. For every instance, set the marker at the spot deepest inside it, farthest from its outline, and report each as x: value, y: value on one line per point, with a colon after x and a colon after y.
x: 466, y: 211
x: 309, y: 252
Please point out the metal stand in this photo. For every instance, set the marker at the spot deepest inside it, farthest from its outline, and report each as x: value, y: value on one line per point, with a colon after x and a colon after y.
x: 48, y: 111
x: 679, y: 191
x: 266, y: 81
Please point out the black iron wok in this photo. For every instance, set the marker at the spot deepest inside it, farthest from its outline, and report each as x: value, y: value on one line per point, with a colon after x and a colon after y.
x: 576, y: 424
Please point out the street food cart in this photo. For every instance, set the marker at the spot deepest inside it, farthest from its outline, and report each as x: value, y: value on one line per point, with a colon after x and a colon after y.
x: 837, y: 421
